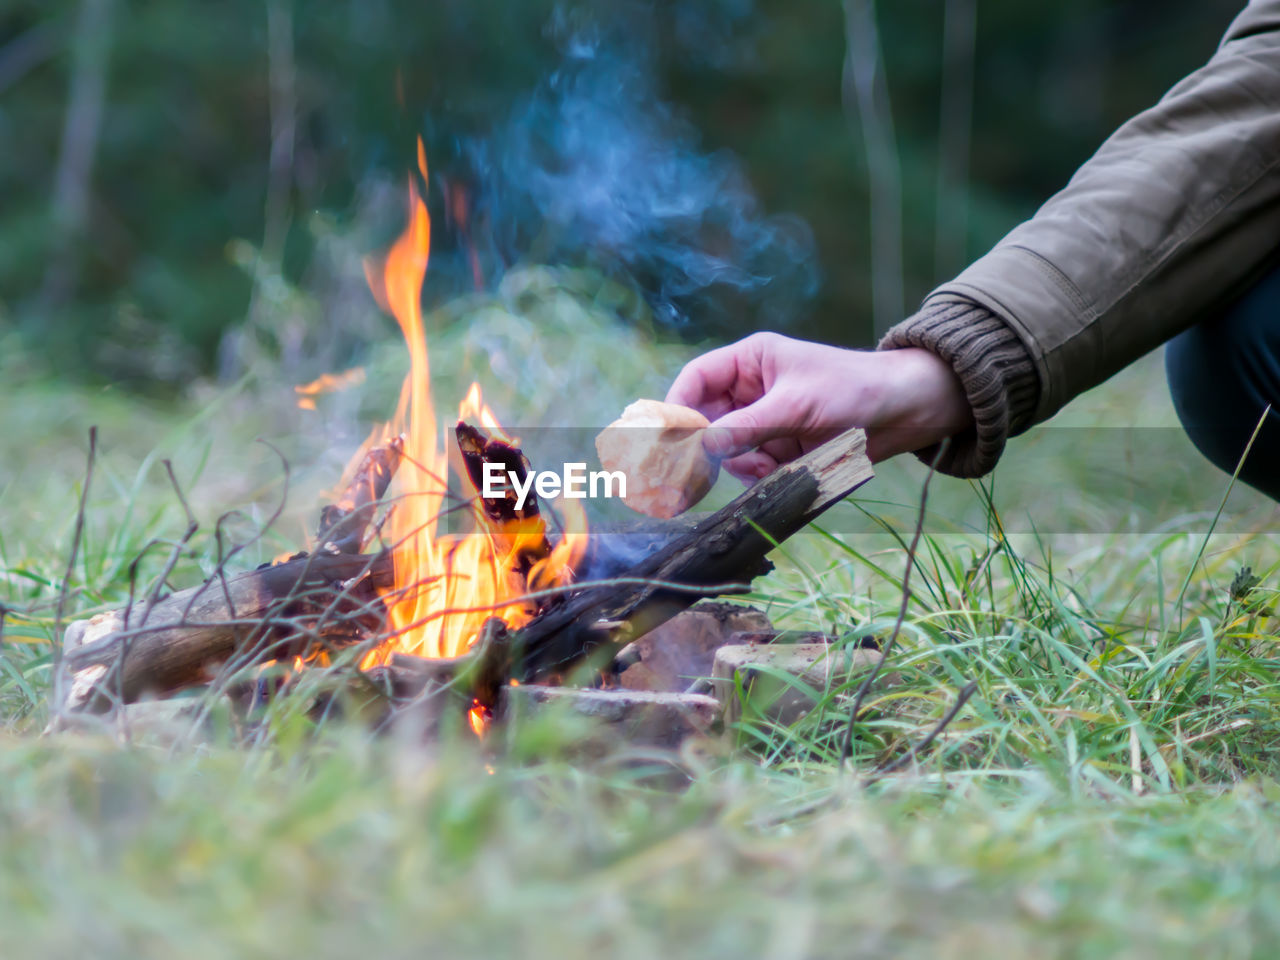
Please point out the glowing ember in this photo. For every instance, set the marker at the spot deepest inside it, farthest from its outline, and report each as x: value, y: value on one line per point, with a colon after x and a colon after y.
x: 478, y: 718
x: 447, y: 585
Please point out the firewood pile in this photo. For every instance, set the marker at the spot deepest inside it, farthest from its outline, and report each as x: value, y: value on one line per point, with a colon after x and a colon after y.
x: 609, y: 643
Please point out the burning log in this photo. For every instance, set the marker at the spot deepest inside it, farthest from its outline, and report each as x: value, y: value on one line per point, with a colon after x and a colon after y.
x: 514, y: 526
x: 343, y: 525
x: 478, y: 448
x: 719, y: 554
x: 272, y: 612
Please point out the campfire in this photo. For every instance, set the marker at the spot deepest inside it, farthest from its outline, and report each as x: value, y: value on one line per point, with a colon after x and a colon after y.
x: 431, y: 593
x: 445, y: 587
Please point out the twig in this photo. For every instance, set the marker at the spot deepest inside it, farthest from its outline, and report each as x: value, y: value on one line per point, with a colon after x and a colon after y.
x: 75, y: 549
x: 262, y: 530
x: 967, y: 691
x: 1222, y: 504
x: 176, y: 553
x: 870, y: 678
x: 153, y: 596
x: 1218, y: 731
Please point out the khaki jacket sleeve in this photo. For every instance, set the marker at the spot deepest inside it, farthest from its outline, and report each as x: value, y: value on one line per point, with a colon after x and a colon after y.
x: 1173, y: 216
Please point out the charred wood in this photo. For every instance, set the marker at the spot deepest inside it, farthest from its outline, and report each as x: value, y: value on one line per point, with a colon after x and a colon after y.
x: 512, y: 526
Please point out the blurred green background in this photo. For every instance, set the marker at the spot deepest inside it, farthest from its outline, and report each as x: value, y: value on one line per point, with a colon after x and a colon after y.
x: 165, y: 163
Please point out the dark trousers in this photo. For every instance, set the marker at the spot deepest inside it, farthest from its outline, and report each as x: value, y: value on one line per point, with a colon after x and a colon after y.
x: 1223, y: 373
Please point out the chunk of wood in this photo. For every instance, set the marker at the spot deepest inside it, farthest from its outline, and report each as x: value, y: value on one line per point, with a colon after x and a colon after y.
x: 658, y: 448
x: 673, y: 655
x: 512, y: 527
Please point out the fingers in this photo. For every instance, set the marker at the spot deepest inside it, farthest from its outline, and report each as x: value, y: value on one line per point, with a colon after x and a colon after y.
x: 731, y: 388
x: 759, y: 463
x: 707, y: 383
x: 783, y: 449
x: 724, y: 378
x: 771, y: 417
x: 750, y: 467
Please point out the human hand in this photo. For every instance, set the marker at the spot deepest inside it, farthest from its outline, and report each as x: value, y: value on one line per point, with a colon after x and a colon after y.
x: 771, y: 398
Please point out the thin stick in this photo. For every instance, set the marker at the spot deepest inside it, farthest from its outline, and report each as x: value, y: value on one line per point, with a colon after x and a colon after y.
x: 955, y: 131
x: 967, y: 691
x: 75, y: 549
x: 1191, y: 571
x: 176, y: 553
x: 870, y: 678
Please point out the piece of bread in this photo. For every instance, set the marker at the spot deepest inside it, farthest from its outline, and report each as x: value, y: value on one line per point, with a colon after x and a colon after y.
x: 658, y: 446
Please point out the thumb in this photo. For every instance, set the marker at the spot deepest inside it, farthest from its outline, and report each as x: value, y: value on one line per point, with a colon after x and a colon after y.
x: 744, y: 429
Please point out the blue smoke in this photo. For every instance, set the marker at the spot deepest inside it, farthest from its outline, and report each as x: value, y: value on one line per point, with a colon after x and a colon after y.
x: 594, y: 167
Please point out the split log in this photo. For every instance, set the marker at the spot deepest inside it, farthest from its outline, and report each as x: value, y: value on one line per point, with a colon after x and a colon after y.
x: 272, y: 612
x: 721, y: 553
x: 343, y: 525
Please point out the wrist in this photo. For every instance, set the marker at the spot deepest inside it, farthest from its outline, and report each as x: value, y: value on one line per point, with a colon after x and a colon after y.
x: 922, y: 402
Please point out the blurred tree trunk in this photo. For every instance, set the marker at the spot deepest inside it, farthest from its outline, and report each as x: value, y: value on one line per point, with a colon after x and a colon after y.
x: 282, y: 83
x: 955, y: 125
x: 866, y: 100
x: 82, y: 125
x: 264, y: 332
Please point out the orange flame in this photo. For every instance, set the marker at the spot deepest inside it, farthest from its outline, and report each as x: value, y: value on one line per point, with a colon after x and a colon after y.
x: 327, y: 383
x: 473, y: 407
x: 447, y: 585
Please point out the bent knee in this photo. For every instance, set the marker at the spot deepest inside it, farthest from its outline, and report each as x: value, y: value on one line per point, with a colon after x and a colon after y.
x: 1221, y: 385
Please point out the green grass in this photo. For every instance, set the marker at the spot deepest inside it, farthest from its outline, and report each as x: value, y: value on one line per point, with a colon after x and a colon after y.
x: 351, y: 847
x: 1108, y: 791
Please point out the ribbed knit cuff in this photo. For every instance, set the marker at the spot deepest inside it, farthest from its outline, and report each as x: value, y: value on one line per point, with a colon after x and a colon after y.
x: 998, y: 374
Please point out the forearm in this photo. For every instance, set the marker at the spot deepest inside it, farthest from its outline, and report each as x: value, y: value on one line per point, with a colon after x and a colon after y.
x: 1175, y: 215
